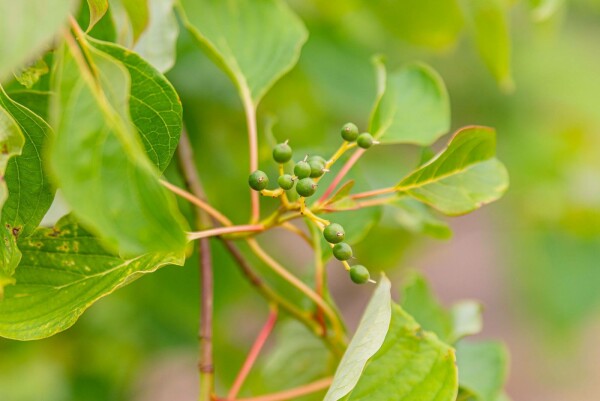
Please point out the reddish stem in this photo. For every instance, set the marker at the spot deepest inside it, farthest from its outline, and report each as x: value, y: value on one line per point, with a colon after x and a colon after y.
x: 375, y: 192
x: 293, y: 393
x: 225, y: 230
x: 253, y: 354
x: 340, y: 176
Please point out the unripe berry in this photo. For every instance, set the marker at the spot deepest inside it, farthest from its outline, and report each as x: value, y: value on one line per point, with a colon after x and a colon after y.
x: 282, y: 153
x: 302, y: 169
x: 306, y: 187
x: 285, y: 181
x: 318, y: 158
x: 317, y: 168
x: 258, y: 180
x: 342, y: 251
x: 365, y: 140
x: 350, y: 132
x: 334, y: 233
x: 359, y: 274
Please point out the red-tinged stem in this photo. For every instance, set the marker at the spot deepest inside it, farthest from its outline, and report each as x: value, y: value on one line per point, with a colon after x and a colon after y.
x: 205, y: 364
x: 340, y: 176
x: 375, y: 192
x: 253, y: 354
x: 294, y: 393
x: 250, y: 112
x: 225, y: 230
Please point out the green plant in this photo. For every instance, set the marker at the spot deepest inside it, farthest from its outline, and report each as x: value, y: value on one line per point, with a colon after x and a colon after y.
x: 111, y: 128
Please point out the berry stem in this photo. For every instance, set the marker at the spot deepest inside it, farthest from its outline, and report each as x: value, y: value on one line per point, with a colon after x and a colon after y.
x: 272, y: 192
x: 345, y: 146
x: 294, y: 281
x: 340, y: 176
x: 225, y: 230
x: 262, y: 337
x: 320, y: 272
x: 214, y: 213
x: 292, y: 394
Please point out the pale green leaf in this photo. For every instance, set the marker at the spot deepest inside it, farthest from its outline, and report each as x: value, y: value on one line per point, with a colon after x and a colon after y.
x: 254, y: 42
x: 543, y: 10
x: 483, y: 368
x: 462, y: 177
x: 64, y: 270
x: 466, y: 319
x: 157, y: 44
x: 97, y: 10
x: 488, y: 21
x: 298, y: 358
x: 27, y: 28
x: 367, y: 340
x: 100, y: 163
x: 411, y: 365
x: 432, y: 23
x: 139, y: 13
x: 421, y: 304
x: 418, y: 218
x: 154, y: 105
x: 414, y: 108
x: 29, y: 75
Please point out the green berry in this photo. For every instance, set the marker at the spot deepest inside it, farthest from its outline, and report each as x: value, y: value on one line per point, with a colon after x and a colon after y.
x: 317, y: 168
x: 306, y: 187
x: 282, y: 153
x: 342, y: 251
x: 334, y: 233
x: 359, y: 274
x: 302, y: 169
x: 285, y: 181
x: 349, y: 132
x: 258, y: 180
x: 318, y: 158
x: 365, y: 140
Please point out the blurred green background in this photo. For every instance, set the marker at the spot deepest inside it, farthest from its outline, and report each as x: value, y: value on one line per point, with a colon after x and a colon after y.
x: 532, y: 258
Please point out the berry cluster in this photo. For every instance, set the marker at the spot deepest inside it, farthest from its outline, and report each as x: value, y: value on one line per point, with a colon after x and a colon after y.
x: 306, y: 175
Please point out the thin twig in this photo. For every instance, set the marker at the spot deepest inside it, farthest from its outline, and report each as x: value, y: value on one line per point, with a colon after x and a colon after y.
x: 375, y: 192
x: 213, y: 232
x: 253, y: 354
x: 294, y: 393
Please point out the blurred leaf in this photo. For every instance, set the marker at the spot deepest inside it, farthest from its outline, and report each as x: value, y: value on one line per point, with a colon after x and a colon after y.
x: 367, y: 340
x: 154, y: 105
x: 466, y: 319
x: 432, y: 23
x: 27, y: 28
x: 97, y: 10
x: 489, y: 25
x: 65, y: 270
x: 298, y: 358
x: 157, y: 44
x: 29, y: 75
x: 415, y: 107
x: 255, y: 43
x: 421, y: 304
x: 342, y: 192
x: 138, y: 12
x: 482, y: 367
x: 417, y: 218
x: 102, y: 157
x: 461, y: 178
x: 411, y: 365
x: 542, y: 10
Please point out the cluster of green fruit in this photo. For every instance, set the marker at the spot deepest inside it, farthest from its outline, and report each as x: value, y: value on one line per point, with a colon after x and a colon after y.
x: 307, y: 172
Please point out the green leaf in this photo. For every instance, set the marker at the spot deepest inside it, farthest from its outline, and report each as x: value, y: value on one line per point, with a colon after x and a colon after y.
x: 36, y: 101
x: 411, y: 365
x: 461, y: 178
x: 543, y: 10
x: 298, y: 358
x: 488, y: 22
x: 341, y: 193
x: 100, y: 163
x: 418, y: 218
x: 97, y: 10
x: 254, y: 42
x: 414, y: 108
x: 154, y: 105
x: 367, y: 340
x: 157, y: 44
x: 482, y: 367
x: 31, y: 74
x: 421, y: 304
x: 466, y: 319
x: 432, y: 23
x: 30, y: 192
x: 139, y: 13
x: 64, y: 271
x: 27, y: 28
